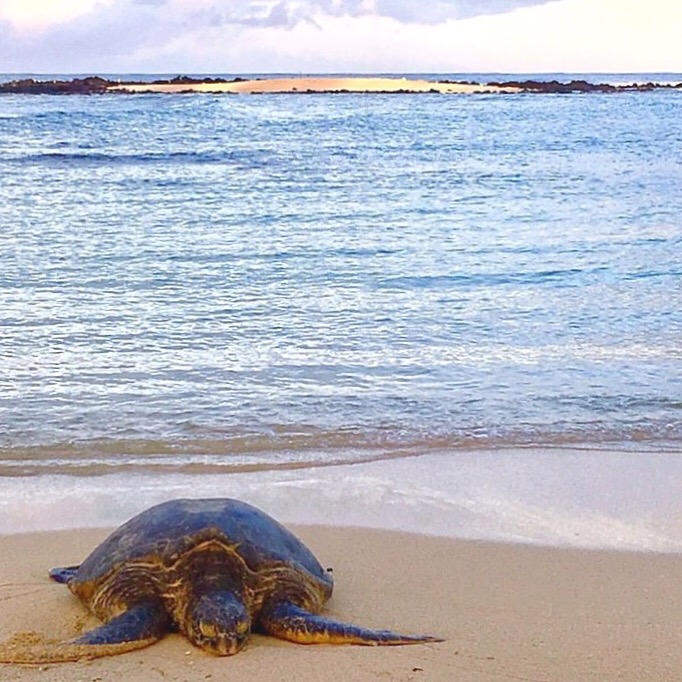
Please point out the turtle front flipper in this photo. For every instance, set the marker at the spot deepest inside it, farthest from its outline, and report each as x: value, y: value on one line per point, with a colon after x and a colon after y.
x: 144, y: 621
x: 290, y: 622
x: 136, y: 628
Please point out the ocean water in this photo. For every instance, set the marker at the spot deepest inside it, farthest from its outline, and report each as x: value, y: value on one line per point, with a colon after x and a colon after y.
x: 208, y: 284
x: 449, y: 315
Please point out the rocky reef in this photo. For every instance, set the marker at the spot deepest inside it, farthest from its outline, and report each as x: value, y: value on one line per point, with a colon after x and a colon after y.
x: 93, y: 85
x: 579, y: 86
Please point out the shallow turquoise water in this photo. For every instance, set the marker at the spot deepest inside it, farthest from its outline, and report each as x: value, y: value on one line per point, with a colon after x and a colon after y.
x: 267, y: 280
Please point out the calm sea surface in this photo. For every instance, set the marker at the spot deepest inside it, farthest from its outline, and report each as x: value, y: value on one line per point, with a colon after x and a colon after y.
x: 216, y: 282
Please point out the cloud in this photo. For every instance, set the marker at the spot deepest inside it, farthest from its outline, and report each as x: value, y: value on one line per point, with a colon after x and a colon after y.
x: 80, y: 34
x: 286, y: 13
x: 281, y: 14
x: 246, y: 36
x: 454, y: 9
x: 290, y: 12
x: 107, y: 30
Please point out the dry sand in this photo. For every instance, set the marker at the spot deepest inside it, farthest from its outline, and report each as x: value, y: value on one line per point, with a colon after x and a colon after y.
x: 317, y: 84
x: 509, y: 612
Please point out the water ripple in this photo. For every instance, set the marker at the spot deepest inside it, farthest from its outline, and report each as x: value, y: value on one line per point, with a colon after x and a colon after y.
x: 446, y: 271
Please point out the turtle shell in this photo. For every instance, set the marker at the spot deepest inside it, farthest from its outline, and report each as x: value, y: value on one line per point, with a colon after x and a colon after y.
x: 160, y: 535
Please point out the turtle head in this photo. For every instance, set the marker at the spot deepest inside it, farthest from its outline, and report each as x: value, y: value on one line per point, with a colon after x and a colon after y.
x: 219, y: 623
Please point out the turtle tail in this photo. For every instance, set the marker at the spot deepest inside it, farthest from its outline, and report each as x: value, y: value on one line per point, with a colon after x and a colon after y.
x: 294, y: 624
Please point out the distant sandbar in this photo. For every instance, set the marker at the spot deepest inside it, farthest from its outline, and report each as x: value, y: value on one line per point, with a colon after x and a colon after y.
x: 316, y: 84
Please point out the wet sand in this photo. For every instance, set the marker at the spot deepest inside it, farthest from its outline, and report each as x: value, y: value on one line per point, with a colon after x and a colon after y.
x: 508, y: 612
x: 317, y: 84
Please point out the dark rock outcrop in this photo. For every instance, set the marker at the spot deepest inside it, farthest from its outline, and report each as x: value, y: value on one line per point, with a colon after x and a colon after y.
x: 579, y: 86
x: 92, y: 85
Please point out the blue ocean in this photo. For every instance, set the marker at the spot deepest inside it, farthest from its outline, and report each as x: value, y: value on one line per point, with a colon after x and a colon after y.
x: 197, y: 285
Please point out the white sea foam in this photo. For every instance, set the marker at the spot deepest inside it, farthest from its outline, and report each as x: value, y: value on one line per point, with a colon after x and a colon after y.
x: 578, y: 498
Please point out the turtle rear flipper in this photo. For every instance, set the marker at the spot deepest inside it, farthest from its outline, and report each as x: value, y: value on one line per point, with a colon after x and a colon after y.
x: 63, y: 574
x: 136, y: 628
x: 290, y: 622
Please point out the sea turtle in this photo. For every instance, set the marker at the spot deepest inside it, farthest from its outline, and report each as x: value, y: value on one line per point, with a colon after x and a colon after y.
x: 214, y: 569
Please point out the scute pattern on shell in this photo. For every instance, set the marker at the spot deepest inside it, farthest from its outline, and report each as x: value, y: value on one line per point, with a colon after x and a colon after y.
x: 156, y: 546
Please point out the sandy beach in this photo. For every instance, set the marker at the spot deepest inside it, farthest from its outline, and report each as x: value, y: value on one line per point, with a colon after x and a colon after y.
x: 317, y: 84
x: 508, y: 612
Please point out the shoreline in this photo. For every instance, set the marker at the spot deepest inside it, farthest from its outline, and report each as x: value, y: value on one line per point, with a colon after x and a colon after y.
x: 599, y: 499
x: 506, y: 612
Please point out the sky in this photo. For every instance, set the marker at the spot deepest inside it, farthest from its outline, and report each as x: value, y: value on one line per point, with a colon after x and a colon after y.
x: 339, y: 36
